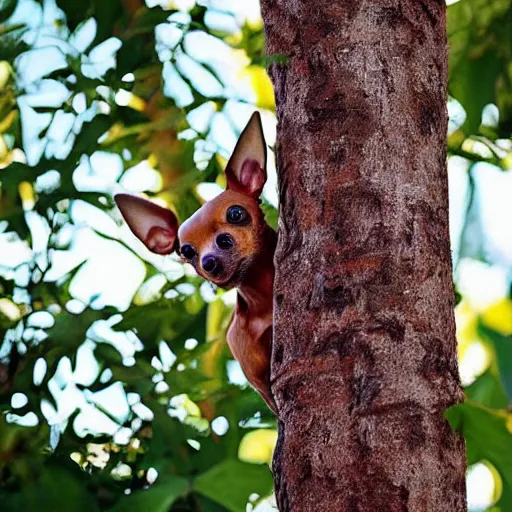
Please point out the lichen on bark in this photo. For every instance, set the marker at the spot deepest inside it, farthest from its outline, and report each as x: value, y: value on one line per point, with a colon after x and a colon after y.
x: 364, y: 355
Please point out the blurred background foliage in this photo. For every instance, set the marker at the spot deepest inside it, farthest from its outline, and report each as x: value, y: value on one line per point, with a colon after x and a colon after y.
x: 117, y: 389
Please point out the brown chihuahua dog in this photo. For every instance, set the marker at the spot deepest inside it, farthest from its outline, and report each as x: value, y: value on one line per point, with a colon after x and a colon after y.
x: 228, y: 243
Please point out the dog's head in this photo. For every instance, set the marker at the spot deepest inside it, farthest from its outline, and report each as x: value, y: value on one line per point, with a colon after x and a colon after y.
x: 224, y: 236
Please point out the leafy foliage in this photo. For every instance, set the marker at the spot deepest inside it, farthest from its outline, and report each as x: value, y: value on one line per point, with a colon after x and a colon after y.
x: 479, y: 34
x: 480, y: 55
x: 132, y: 401
x: 117, y: 406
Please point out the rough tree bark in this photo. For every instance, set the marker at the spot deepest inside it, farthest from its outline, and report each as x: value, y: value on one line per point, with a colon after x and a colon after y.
x: 364, y: 358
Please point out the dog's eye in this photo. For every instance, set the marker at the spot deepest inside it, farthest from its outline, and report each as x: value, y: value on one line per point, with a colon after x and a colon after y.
x: 187, y: 251
x: 236, y: 215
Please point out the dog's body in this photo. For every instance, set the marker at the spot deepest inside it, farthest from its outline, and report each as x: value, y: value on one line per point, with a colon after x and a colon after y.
x: 249, y: 335
x: 229, y: 243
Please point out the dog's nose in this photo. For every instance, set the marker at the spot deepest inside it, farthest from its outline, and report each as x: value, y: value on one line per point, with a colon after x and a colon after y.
x: 210, y: 263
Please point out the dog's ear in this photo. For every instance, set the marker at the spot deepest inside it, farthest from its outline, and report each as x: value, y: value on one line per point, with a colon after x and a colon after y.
x: 154, y: 226
x: 246, y: 169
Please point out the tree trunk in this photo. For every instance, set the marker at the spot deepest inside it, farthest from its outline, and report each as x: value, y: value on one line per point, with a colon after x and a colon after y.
x: 364, y: 358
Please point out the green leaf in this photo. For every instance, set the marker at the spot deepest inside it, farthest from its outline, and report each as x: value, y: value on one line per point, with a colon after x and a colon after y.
x: 474, y: 86
x: 86, y: 143
x: 150, y: 321
x: 271, y: 214
x: 11, y: 44
x: 167, y: 447
x: 503, y: 347
x: 137, y: 377
x: 479, y: 36
x: 75, y: 11
x: 163, y: 319
x: 487, y: 437
x: 13, y: 175
x: 69, y: 329
x: 188, y: 381
x: 6, y: 287
x: 488, y: 390
x: 87, y: 140
x: 454, y: 417
x: 231, y: 482
x: 158, y: 498
x: 108, y: 15
x: 58, y: 485
x: 7, y: 8
x: 17, y: 444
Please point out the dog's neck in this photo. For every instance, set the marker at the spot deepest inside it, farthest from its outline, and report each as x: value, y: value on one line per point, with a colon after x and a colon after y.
x: 257, y: 288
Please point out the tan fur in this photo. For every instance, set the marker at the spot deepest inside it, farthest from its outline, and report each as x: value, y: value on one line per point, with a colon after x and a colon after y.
x: 249, y: 335
x: 208, y: 222
x: 250, y: 341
